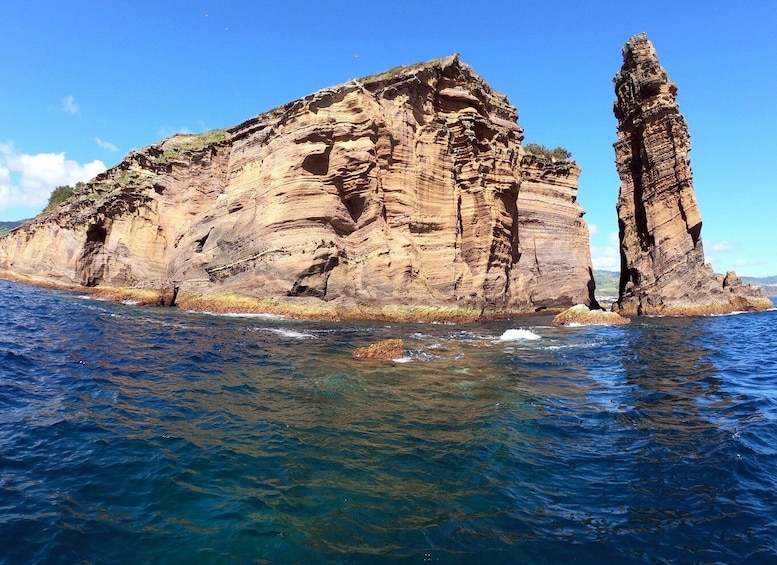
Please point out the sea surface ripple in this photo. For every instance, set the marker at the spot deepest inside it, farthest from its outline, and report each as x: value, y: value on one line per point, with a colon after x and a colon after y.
x: 132, y: 435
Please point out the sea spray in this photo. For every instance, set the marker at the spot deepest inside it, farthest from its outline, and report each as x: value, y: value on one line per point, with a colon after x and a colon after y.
x: 519, y: 335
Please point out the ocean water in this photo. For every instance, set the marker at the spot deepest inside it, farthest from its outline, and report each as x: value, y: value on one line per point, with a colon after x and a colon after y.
x: 131, y: 435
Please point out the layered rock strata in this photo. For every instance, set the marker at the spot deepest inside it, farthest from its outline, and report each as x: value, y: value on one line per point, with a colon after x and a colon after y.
x: 662, y: 256
x: 407, y: 188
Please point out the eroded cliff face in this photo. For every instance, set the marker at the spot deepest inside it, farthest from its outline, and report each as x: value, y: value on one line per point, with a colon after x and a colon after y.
x: 406, y: 188
x: 662, y: 256
x: 555, y: 253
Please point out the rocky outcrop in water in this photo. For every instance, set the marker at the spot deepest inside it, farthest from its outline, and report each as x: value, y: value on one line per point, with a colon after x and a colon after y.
x: 408, y: 188
x: 581, y: 315
x: 662, y: 256
x: 388, y: 349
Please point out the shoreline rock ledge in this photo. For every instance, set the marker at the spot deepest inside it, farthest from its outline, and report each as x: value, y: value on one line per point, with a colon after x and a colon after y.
x: 409, y: 188
x: 662, y: 257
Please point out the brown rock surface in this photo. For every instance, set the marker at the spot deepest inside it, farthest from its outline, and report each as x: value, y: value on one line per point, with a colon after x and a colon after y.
x: 581, y: 315
x: 662, y: 256
x: 406, y: 188
x: 387, y: 349
x: 551, y: 231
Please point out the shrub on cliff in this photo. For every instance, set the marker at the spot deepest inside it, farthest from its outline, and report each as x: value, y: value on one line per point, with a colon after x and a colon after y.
x: 556, y: 154
x: 58, y: 196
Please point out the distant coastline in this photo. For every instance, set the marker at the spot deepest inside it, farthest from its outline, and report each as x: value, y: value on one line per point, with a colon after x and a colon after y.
x: 5, y: 227
x: 607, y: 285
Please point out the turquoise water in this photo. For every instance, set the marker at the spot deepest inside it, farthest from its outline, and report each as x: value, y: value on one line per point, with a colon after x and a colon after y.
x: 132, y: 435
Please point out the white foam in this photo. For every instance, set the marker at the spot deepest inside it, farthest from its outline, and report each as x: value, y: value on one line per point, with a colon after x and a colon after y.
x: 251, y: 315
x: 291, y: 333
x: 419, y: 335
x: 519, y: 335
x: 403, y: 360
x: 734, y: 313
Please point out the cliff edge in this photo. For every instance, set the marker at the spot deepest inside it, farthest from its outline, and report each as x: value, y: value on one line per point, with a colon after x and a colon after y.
x: 662, y: 256
x: 406, y: 188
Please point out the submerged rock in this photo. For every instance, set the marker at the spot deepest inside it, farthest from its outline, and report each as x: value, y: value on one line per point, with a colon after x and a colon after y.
x: 581, y: 315
x: 406, y: 188
x: 388, y: 349
x: 662, y: 256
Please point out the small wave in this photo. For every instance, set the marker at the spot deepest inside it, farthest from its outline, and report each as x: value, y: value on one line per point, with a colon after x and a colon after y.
x: 262, y: 316
x: 291, y: 333
x: 419, y: 335
x: 471, y: 336
x: 734, y: 313
x: 403, y: 360
x: 519, y: 335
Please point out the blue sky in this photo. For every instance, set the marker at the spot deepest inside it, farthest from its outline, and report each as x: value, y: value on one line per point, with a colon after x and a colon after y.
x: 84, y: 83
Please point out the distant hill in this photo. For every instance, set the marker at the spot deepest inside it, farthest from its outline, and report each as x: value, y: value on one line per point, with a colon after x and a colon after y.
x: 607, y: 284
x: 5, y: 227
x: 767, y: 284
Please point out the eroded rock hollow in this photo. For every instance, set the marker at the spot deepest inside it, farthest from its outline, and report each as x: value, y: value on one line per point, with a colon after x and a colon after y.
x: 406, y: 188
x: 662, y: 256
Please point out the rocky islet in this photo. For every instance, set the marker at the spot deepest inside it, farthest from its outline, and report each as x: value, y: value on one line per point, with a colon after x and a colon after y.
x: 663, y: 270
x: 406, y: 189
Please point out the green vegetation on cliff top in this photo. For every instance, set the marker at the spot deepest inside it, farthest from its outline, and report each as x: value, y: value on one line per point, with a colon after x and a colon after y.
x: 60, y: 195
x: 555, y: 154
x: 173, y: 146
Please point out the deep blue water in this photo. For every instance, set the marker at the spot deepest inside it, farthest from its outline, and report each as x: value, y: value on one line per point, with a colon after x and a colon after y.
x: 132, y: 435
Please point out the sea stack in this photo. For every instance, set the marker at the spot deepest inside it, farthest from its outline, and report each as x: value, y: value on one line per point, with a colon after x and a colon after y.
x: 662, y: 256
x: 407, y: 188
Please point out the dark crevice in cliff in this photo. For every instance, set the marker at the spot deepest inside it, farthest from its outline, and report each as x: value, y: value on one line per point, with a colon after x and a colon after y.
x: 593, y: 303
x: 317, y: 163
x: 314, y: 281
x: 87, y: 267
x: 637, y: 170
x: 624, y: 268
x: 95, y: 235
x: 200, y: 243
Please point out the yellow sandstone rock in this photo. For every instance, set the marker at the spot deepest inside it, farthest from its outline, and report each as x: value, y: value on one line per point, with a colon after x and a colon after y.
x: 405, y: 188
x: 581, y: 315
x: 663, y: 268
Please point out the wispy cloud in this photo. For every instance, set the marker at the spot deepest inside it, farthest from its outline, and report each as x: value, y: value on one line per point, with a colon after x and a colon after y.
x: 26, y: 180
x: 723, y: 246
x: 748, y: 262
x: 70, y: 105
x: 105, y: 144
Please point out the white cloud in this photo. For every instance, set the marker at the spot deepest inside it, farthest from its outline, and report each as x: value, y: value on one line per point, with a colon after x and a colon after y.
x: 105, y: 144
x: 723, y: 246
x: 748, y: 262
x: 69, y: 105
x: 26, y: 181
x: 593, y: 229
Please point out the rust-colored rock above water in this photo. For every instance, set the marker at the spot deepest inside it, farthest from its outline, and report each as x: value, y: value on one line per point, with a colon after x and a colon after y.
x: 662, y: 256
x: 387, y: 350
x: 408, y: 188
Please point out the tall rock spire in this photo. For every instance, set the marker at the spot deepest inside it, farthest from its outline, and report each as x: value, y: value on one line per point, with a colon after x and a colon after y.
x: 662, y: 256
